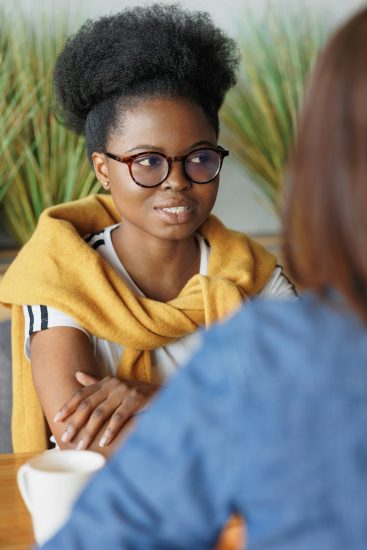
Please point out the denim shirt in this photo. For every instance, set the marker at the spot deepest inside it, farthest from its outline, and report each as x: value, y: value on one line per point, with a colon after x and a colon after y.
x: 268, y: 420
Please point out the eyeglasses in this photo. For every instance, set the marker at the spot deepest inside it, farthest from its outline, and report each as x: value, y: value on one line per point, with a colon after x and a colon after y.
x: 150, y: 169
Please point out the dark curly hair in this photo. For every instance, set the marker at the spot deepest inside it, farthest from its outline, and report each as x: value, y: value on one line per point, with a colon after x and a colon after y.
x: 159, y: 51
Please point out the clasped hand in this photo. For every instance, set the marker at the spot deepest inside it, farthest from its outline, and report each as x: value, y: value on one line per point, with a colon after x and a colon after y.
x: 96, y: 403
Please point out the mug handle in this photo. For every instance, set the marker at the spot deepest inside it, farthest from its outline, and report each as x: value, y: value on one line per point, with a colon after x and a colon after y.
x: 22, y: 484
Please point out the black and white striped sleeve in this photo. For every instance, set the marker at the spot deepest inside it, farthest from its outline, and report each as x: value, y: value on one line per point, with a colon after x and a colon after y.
x: 38, y: 317
x: 278, y: 286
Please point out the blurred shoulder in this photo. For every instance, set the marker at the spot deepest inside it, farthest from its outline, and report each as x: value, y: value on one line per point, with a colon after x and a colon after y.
x: 265, y: 339
x: 261, y: 318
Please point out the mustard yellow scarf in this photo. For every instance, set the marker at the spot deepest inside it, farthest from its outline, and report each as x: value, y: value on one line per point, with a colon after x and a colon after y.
x: 58, y: 268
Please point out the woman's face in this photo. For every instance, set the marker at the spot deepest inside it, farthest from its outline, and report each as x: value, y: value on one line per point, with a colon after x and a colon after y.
x: 173, y: 127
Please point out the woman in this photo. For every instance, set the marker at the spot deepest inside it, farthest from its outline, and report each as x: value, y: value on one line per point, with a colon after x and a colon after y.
x: 126, y: 281
x: 280, y: 434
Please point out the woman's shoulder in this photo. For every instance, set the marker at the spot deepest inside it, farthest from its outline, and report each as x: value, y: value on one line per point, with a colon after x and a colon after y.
x: 289, y: 322
x: 261, y: 315
x: 272, y: 342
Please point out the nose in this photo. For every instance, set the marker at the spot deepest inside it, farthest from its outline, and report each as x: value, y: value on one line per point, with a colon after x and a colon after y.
x: 177, y: 178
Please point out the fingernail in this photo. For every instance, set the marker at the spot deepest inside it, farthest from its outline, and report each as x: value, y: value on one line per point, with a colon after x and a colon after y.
x: 103, y: 441
x: 80, y: 445
x: 57, y: 416
x: 68, y: 433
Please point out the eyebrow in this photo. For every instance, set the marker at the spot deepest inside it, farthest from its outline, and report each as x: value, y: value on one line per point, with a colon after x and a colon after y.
x: 159, y: 149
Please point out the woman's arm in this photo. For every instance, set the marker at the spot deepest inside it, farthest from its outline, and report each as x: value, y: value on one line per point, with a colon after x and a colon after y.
x: 57, y: 354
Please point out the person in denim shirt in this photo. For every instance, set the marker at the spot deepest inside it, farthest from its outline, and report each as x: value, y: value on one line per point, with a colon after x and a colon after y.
x: 269, y: 419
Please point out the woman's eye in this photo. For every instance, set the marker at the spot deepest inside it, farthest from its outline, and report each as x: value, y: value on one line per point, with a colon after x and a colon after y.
x: 150, y: 161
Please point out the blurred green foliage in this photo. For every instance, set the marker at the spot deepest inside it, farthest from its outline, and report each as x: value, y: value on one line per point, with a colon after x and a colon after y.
x: 42, y: 163
x: 260, y: 113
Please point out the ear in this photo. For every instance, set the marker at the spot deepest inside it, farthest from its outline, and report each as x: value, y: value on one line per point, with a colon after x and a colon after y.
x: 101, y: 168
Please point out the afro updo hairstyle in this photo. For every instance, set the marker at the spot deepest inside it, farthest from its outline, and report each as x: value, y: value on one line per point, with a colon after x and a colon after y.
x: 158, y: 51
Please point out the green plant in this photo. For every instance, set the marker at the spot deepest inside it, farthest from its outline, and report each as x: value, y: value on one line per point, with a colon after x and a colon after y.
x: 43, y: 163
x: 260, y: 113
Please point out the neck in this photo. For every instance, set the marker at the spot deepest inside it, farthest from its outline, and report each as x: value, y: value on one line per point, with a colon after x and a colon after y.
x: 160, y: 268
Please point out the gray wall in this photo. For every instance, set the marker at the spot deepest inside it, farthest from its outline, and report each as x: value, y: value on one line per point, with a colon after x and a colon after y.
x: 239, y: 203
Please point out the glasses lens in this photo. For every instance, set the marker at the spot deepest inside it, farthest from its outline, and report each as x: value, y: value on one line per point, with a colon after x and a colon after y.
x: 202, y: 166
x: 149, y: 168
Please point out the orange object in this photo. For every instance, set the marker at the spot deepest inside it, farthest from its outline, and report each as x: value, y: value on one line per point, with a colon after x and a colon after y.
x: 233, y: 536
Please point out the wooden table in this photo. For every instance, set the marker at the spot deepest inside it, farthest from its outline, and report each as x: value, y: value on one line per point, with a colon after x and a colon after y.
x: 15, y: 522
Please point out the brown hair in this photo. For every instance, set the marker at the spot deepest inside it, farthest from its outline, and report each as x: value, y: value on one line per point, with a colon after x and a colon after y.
x: 325, y: 209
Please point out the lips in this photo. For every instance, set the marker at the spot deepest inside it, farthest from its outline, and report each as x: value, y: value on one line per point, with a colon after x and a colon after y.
x: 176, y: 204
x: 175, y: 212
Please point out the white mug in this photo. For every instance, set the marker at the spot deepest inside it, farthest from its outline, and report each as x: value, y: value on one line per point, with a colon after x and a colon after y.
x: 51, y: 482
